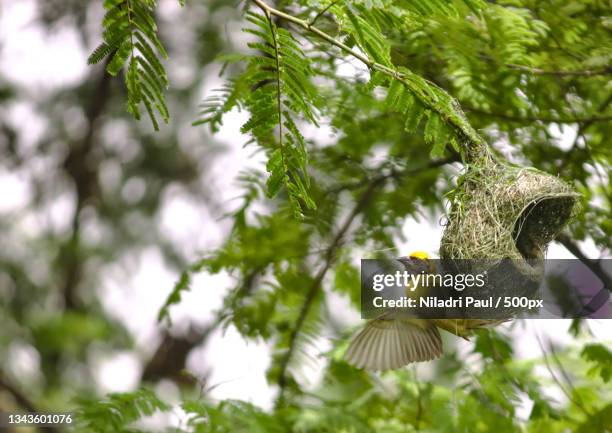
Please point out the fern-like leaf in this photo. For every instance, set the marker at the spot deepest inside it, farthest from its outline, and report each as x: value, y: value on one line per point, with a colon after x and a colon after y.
x: 131, y: 42
x: 117, y: 411
x: 293, y: 94
x: 276, y: 89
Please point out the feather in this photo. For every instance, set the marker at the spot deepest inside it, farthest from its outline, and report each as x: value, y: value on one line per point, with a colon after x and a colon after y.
x: 385, y: 344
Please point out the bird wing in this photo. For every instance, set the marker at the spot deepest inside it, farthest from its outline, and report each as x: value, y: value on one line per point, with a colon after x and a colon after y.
x: 387, y: 344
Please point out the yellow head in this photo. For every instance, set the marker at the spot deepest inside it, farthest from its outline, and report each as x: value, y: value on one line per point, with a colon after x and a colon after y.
x: 420, y: 255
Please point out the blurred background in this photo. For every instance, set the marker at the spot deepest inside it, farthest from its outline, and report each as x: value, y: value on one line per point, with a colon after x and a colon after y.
x: 99, y: 215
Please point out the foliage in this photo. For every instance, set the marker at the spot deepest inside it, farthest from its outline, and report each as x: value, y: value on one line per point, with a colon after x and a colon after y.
x: 601, y: 356
x: 130, y: 37
x: 492, y: 56
x: 364, y: 111
x: 351, y: 400
x: 273, y: 103
x: 276, y: 86
x: 406, y: 107
x: 117, y: 411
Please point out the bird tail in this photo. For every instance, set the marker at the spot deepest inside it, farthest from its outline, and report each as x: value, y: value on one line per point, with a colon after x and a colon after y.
x: 387, y: 344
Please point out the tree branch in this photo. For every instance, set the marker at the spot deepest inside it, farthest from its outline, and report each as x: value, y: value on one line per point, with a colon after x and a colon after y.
x: 593, y: 265
x: 84, y: 178
x: 478, y: 145
x: 320, y: 14
x: 569, y: 395
x: 23, y: 401
x: 170, y: 357
x: 546, y: 119
x: 581, y: 73
x: 558, y: 73
x: 330, y: 255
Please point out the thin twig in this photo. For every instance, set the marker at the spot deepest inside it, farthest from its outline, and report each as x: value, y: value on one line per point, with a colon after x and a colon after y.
x: 584, y: 126
x: 546, y: 119
x: 23, y: 401
x: 557, y: 381
x: 317, y: 16
x: 330, y: 255
x: 278, y: 92
x: 306, y: 25
x: 564, y: 373
x: 581, y: 132
x: 582, y: 73
x: 558, y: 73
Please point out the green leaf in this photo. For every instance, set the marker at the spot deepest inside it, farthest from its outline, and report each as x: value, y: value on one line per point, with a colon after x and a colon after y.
x: 601, y: 357
x: 598, y: 422
x: 182, y: 285
x: 276, y: 168
x: 119, y: 59
x: 413, y: 117
x: 99, y: 53
x: 281, y: 74
x: 129, y: 34
x: 436, y: 135
x: 115, y: 412
x: 394, y: 94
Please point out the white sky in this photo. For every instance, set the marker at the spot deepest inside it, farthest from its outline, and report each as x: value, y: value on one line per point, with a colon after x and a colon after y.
x: 40, y: 61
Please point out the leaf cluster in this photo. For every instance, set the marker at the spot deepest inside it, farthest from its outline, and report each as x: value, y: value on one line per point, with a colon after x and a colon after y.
x: 117, y: 412
x: 130, y: 38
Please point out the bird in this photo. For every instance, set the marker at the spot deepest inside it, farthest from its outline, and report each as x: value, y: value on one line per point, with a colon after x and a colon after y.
x: 388, y: 343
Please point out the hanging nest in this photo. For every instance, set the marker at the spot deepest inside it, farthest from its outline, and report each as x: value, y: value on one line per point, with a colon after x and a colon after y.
x: 500, y: 211
x: 502, y: 219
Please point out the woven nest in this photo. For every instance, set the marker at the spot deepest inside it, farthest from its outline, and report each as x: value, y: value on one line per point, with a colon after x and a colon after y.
x: 502, y: 219
x: 499, y: 211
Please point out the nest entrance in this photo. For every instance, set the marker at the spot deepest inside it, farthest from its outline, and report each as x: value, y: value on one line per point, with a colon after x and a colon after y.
x: 539, y: 223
